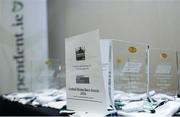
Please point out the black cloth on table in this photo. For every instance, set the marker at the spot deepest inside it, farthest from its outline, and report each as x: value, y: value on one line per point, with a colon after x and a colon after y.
x: 9, y: 108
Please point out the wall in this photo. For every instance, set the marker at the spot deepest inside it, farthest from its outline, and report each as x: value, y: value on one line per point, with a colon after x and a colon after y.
x: 56, y: 28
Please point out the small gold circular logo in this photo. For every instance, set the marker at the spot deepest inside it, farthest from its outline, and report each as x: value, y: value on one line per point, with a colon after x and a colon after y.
x: 163, y: 56
x: 132, y: 49
x: 48, y: 62
x: 119, y: 61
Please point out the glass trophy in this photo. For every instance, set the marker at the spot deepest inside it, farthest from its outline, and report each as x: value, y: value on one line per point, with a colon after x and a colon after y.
x: 163, y: 71
x: 47, y: 74
x: 131, y: 75
x: 129, y: 63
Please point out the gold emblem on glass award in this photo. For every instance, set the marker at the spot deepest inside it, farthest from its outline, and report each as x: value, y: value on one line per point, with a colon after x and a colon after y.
x: 163, y: 55
x: 48, y: 62
x: 132, y: 49
x: 119, y: 61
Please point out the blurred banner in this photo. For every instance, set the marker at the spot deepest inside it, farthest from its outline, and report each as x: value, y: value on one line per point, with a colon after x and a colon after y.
x: 23, y: 36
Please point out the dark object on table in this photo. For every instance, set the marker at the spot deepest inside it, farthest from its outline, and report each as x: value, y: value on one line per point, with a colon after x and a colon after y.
x: 9, y: 108
x: 178, y: 95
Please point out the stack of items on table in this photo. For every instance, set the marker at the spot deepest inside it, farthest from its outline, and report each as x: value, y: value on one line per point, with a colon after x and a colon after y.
x: 52, y: 98
x: 127, y: 104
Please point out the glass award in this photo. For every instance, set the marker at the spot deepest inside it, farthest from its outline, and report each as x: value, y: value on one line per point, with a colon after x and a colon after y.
x: 129, y: 63
x: 47, y: 74
x: 163, y: 71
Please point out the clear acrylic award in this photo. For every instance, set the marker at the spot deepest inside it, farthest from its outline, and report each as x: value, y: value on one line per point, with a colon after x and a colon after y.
x: 129, y: 63
x: 47, y: 74
x: 131, y: 76
x: 163, y: 71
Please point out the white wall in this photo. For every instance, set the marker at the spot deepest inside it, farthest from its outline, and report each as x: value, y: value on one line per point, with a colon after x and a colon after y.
x: 178, y: 25
x: 149, y: 21
x: 56, y: 28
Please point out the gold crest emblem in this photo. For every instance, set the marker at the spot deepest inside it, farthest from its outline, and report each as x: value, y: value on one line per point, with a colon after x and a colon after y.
x: 48, y: 62
x: 163, y: 55
x: 119, y: 61
x: 132, y: 49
